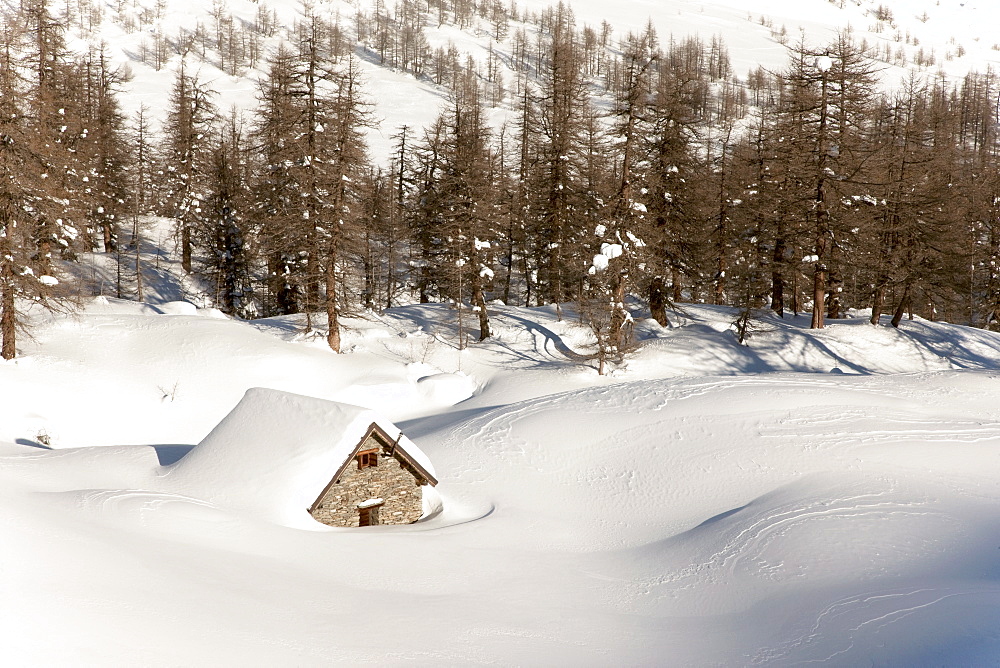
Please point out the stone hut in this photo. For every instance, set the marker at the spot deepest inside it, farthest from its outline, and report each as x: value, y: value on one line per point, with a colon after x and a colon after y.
x: 296, y: 460
x: 378, y: 483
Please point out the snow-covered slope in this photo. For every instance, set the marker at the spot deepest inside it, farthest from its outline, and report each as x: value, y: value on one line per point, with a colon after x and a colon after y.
x: 821, y: 497
x: 957, y: 36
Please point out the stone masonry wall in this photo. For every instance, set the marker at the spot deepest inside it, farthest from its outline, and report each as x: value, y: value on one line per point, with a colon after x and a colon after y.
x: 391, y: 481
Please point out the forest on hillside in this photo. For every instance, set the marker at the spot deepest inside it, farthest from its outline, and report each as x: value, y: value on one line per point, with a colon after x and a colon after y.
x: 629, y: 167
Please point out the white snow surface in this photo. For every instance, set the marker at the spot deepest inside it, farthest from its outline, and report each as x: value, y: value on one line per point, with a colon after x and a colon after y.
x: 825, y: 497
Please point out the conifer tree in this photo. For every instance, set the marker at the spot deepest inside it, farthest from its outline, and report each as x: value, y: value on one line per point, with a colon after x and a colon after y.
x: 57, y: 105
x: 827, y: 91
x: 604, y: 294
x: 428, y: 243
x: 224, y: 232
x: 339, y: 176
x: 276, y: 201
x: 35, y: 214
x: 311, y: 128
x: 981, y: 195
x: 108, y: 151
x: 556, y: 183
x: 670, y: 176
x: 185, y: 156
x: 457, y: 212
x: 776, y: 197
x: 142, y: 165
x: 920, y: 251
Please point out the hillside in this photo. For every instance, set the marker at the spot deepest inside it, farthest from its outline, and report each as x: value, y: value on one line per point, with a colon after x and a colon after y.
x: 958, y: 34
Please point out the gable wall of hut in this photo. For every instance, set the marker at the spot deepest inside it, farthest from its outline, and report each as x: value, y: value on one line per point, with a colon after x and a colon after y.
x: 391, y: 480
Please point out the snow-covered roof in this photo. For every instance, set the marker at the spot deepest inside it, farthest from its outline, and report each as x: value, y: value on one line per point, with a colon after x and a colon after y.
x: 275, y: 452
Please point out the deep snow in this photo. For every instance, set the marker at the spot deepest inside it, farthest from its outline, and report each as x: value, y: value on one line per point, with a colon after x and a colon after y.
x: 815, y: 496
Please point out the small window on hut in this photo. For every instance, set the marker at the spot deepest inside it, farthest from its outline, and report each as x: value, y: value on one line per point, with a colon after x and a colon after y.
x: 367, y: 458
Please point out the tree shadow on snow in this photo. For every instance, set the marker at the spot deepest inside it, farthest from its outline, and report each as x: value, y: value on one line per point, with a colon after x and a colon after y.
x: 552, y: 341
x: 721, y: 516
x: 964, y: 347
x: 32, y: 444
x: 418, y: 427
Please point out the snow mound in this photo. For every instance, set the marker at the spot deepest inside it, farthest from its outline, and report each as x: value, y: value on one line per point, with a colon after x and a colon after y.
x: 274, y: 453
x: 109, y: 306
x: 179, y: 308
x: 446, y: 389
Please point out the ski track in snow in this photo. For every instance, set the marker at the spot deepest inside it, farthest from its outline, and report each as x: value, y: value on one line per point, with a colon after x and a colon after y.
x: 851, y: 617
x: 743, y: 550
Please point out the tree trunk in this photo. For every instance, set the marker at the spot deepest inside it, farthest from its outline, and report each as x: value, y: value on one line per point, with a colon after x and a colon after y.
x: 617, y: 334
x: 822, y: 215
x: 479, y: 302
x: 137, y: 240
x: 556, y: 269
x: 901, y: 309
x: 425, y: 298
x: 526, y: 269
x: 675, y: 281
x: 371, y: 281
x: 118, y: 275
x: 795, y: 292
x: 722, y: 263
x: 186, y: 247
x: 313, y: 271
x: 878, y: 303
x: 834, y: 290
x: 332, y: 315
x: 8, y: 318
x: 777, y: 278
x: 510, y: 262
x: 819, y: 296
x: 658, y: 302
x: 390, y: 271
x: 110, y: 244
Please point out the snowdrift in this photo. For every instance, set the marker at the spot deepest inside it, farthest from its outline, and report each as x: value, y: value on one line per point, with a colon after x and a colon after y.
x: 684, y: 509
x: 273, y: 454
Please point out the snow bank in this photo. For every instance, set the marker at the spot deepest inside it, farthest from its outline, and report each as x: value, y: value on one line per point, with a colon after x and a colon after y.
x: 780, y: 518
x: 273, y: 455
x: 446, y: 389
x: 179, y: 308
